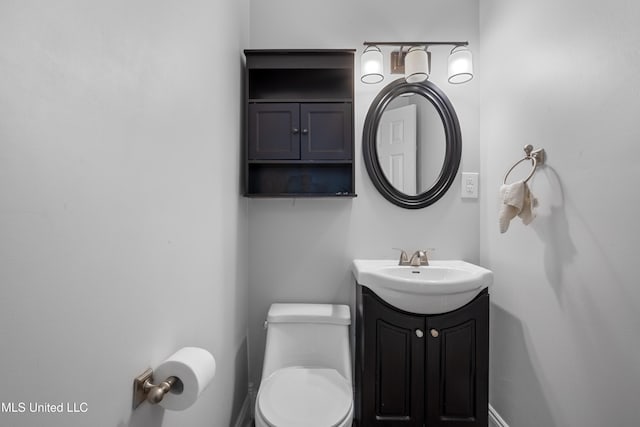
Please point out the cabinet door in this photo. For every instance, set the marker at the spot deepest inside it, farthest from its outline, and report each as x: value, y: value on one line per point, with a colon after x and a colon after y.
x: 326, y: 131
x: 457, y: 366
x: 393, y: 373
x: 274, y: 131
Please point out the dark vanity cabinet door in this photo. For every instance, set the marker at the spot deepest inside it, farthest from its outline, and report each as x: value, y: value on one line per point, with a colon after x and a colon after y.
x: 326, y: 131
x: 421, y: 370
x: 458, y: 366
x: 274, y: 131
x: 393, y: 366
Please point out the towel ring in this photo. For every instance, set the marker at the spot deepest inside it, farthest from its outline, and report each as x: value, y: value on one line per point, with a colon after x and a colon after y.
x: 536, y: 157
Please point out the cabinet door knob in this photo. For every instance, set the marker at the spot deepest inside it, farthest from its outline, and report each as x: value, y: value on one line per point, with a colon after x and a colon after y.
x: 419, y: 333
x: 305, y: 131
x: 434, y: 333
x: 296, y: 130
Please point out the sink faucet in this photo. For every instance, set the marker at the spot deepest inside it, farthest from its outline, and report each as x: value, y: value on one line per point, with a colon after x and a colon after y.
x: 419, y: 258
x: 404, y: 258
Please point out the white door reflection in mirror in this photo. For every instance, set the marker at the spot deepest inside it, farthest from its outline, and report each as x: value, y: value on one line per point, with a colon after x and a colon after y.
x: 411, y: 144
x: 397, y: 148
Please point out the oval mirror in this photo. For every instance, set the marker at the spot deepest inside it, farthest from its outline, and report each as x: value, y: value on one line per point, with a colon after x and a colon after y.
x: 412, y: 143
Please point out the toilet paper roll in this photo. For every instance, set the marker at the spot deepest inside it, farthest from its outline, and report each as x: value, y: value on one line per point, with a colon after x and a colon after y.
x: 194, y: 367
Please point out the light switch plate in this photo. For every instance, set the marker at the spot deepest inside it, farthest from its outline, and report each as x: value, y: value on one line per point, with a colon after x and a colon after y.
x: 469, y: 187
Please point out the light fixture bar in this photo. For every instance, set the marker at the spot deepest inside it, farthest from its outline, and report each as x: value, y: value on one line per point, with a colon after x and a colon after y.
x: 415, y: 62
x: 465, y: 43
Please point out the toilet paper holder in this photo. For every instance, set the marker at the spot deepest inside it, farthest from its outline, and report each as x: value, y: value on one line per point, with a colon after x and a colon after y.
x: 144, y: 389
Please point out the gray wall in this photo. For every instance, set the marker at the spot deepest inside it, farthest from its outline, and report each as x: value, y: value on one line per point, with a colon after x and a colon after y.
x: 566, y: 312
x: 117, y: 205
x: 121, y: 225
x: 301, y: 250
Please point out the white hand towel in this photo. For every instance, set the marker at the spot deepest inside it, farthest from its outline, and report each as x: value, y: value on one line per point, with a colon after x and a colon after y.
x: 516, y: 200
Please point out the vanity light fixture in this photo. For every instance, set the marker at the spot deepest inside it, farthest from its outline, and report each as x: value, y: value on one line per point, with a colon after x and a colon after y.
x: 371, y: 65
x: 415, y: 61
x: 460, y: 65
x: 416, y: 65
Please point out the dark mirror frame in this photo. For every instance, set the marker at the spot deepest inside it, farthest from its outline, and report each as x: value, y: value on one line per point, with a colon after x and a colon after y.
x: 453, y: 142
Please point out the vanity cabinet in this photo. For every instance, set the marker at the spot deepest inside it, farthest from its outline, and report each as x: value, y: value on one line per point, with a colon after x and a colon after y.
x: 300, y: 136
x: 421, y: 370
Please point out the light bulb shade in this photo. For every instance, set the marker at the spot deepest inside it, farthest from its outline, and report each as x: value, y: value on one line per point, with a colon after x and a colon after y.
x: 460, y: 65
x: 371, y: 65
x: 416, y: 65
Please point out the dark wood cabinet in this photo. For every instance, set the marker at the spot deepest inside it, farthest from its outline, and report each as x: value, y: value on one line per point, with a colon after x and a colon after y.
x: 307, y: 131
x: 326, y: 131
x: 421, y: 370
x: 274, y: 131
x: 393, y: 365
x: 300, y: 137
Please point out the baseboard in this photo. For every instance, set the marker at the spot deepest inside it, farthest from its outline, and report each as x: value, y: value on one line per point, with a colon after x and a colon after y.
x: 244, y: 417
x: 495, y: 420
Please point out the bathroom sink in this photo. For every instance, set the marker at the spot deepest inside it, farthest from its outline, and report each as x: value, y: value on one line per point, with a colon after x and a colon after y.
x: 442, y: 286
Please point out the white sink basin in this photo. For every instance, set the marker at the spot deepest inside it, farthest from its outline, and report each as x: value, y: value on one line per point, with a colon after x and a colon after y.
x: 439, y: 287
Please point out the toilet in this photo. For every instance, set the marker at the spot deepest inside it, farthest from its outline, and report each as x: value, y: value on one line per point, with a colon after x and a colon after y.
x: 306, y: 375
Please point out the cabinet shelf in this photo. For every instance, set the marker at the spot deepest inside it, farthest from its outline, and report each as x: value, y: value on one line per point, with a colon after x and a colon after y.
x: 300, y: 83
x: 299, y: 99
x: 310, y: 179
x: 301, y: 195
x: 300, y: 162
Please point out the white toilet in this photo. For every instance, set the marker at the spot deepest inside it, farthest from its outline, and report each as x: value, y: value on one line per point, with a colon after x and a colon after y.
x: 306, y: 375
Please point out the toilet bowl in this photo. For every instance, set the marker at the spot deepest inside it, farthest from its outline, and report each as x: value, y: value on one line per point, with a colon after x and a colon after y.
x: 306, y: 377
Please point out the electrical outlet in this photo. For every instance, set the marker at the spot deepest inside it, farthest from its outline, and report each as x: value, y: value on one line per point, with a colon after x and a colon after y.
x: 469, y: 187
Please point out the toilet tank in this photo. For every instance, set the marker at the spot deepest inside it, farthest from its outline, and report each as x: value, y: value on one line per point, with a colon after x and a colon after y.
x: 310, y: 335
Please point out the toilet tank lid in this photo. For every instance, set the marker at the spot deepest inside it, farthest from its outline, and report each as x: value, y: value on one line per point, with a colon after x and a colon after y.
x: 309, y: 313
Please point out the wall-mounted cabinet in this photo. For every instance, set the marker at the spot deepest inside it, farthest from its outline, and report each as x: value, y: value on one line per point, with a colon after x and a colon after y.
x: 300, y: 137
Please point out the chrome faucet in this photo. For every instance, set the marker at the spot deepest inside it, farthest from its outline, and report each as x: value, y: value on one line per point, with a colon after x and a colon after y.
x: 419, y: 258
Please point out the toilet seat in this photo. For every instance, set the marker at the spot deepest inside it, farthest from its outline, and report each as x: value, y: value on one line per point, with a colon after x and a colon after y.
x: 310, y: 397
